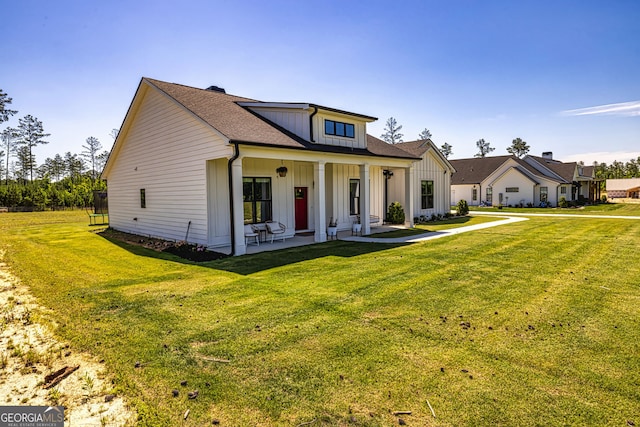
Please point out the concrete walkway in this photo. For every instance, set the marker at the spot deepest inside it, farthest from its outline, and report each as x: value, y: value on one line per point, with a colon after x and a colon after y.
x: 518, y: 214
x: 433, y: 234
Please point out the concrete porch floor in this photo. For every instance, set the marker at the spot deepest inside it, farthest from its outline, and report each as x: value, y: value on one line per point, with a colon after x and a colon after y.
x: 302, y: 239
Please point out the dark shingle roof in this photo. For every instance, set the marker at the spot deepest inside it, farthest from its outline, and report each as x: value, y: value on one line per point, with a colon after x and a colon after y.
x: 239, y: 124
x: 475, y: 170
x: 417, y: 148
x: 382, y: 148
x: 221, y: 112
x: 563, y: 170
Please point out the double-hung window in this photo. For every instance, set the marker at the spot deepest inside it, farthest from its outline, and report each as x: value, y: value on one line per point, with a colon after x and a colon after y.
x: 256, y: 194
x: 426, y: 194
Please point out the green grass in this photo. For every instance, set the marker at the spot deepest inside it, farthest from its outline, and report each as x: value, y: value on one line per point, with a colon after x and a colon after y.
x: 603, y: 209
x: 446, y: 224
x: 346, y: 333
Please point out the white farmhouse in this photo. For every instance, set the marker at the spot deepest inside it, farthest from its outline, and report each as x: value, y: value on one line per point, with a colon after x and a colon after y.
x: 199, y: 164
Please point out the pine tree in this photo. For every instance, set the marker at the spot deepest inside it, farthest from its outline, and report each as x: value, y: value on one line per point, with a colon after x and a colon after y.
x: 30, y: 135
x: 484, y: 147
x: 392, y: 133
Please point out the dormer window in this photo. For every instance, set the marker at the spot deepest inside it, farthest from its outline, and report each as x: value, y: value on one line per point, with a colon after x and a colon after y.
x: 332, y: 127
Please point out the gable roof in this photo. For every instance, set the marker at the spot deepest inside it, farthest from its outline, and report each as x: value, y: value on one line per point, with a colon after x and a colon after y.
x: 563, y: 170
x: 227, y: 114
x: 221, y: 111
x: 476, y: 169
x: 419, y: 147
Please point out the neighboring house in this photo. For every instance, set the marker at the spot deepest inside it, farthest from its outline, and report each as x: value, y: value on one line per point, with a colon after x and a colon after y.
x: 198, y: 164
x: 627, y: 188
x: 531, y: 181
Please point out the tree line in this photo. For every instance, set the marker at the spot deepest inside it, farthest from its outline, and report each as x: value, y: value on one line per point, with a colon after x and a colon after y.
x: 64, y: 181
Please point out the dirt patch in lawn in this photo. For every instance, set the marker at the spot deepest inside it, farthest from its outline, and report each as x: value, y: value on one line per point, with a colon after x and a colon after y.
x: 196, y: 253
x: 30, y: 357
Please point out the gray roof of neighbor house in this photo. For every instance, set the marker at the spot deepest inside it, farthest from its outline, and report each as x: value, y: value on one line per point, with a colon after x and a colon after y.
x: 477, y: 169
x: 241, y: 125
x: 563, y: 170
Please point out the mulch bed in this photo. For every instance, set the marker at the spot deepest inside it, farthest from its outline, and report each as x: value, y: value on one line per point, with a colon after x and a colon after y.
x: 181, y: 249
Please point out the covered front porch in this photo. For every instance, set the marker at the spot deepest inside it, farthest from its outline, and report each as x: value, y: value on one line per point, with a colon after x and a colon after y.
x: 303, y: 239
x: 305, y: 192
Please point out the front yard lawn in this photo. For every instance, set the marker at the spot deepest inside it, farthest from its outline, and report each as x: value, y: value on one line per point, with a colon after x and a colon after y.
x: 626, y: 209
x: 531, y: 323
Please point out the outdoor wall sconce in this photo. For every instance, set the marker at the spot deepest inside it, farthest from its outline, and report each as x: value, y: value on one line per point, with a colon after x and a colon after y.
x: 282, y: 171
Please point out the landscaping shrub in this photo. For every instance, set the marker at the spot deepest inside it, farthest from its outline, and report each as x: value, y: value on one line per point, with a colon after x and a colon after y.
x: 462, y: 207
x: 562, y: 203
x: 396, y: 213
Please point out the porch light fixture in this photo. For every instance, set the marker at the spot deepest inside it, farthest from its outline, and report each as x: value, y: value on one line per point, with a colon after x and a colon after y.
x: 282, y: 171
x: 387, y: 173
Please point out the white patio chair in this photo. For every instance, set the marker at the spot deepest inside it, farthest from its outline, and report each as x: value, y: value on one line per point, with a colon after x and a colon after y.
x: 250, y: 232
x: 274, y: 228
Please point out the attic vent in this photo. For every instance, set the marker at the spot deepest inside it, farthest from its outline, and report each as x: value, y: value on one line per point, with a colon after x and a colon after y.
x: 216, y: 89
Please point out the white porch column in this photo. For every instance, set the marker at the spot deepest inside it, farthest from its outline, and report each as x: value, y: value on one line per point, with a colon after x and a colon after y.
x: 365, y: 199
x: 408, y: 196
x: 238, y: 207
x: 319, y: 201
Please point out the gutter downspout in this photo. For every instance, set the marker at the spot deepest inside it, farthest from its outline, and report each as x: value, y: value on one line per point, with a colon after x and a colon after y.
x: 315, y: 111
x: 236, y: 154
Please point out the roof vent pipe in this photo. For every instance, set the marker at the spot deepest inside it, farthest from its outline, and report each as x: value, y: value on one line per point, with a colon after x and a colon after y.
x: 216, y: 89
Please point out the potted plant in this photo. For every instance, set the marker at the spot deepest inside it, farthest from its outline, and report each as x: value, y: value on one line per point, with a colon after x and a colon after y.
x: 356, y: 227
x: 332, y: 228
x: 282, y: 171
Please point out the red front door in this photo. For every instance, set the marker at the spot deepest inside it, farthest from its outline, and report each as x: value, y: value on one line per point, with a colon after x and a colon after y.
x: 301, y: 208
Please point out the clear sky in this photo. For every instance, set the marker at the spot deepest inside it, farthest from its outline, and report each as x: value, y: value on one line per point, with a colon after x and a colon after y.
x: 562, y: 75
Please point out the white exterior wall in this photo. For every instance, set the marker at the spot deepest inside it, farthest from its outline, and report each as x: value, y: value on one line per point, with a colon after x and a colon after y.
x: 338, y: 197
x: 395, y: 188
x: 294, y: 120
x: 465, y: 192
x: 430, y: 169
x: 165, y: 152
x: 218, y: 203
x: 553, y: 193
x: 512, y: 178
x: 360, y: 131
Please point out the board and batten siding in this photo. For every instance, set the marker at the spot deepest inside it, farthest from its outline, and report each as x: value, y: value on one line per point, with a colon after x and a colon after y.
x: 430, y: 169
x: 360, y: 131
x: 164, y: 152
x: 293, y: 120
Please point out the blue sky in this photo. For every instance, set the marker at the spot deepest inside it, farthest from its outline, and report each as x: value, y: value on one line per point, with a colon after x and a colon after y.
x: 562, y: 75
